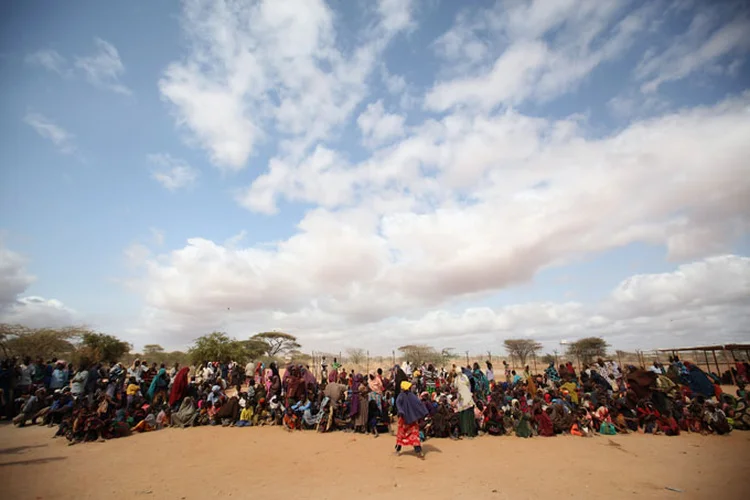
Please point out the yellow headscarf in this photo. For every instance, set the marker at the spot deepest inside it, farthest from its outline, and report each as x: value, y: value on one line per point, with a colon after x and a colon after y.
x: 405, y: 385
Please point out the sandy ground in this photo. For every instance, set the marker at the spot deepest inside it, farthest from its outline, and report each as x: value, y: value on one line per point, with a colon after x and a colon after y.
x: 247, y: 462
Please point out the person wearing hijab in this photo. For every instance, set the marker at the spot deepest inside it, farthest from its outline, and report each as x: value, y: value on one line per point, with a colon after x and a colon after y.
x: 179, y: 386
x: 186, y: 415
x: 398, y: 376
x: 465, y: 406
x: 481, y: 384
x: 155, y: 383
x: 359, y: 394
x: 275, y: 387
x: 410, y: 412
x: 490, y: 374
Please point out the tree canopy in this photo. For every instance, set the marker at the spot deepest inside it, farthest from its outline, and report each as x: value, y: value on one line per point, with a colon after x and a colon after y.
x: 522, y: 348
x: 277, y: 343
x: 417, y: 354
x: 21, y: 341
x: 73, y: 342
x: 218, y: 346
x: 152, y: 349
x: 588, y: 349
x: 102, y: 347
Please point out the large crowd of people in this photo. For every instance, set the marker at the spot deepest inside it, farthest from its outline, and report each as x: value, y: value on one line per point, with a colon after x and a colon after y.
x: 100, y: 402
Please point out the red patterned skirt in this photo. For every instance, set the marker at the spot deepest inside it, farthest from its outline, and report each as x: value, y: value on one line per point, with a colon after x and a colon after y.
x: 407, y: 434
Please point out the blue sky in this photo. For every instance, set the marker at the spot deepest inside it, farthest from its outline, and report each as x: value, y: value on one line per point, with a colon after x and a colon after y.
x: 361, y: 172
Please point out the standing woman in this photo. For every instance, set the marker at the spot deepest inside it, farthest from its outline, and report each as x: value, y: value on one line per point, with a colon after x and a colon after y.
x: 465, y: 407
x: 410, y: 412
x: 275, y: 387
x: 399, y: 376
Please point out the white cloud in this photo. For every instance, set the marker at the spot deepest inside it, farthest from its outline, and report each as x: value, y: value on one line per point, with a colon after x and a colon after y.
x: 14, y: 279
x: 48, y: 59
x: 517, y: 51
x: 267, y: 65
x: 323, y: 177
x: 717, y: 281
x: 104, y: 68
x: 464, y: 207
x: 45, y: 127
x: 379, y: 127
x: 38, y: 312
x: 172, y: 173
x: 713, y: 34
x: 30, y: 311
x: 396, y: 15
x: 395, y: 84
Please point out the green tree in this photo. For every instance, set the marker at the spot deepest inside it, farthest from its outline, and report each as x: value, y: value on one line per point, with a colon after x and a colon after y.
x: 151, y: 350
x: 588, y: 349
x: 218, y: 346
x: 522, y: 348
x: 277, y: 343
x: 102, y: 347
x: 46, y: 343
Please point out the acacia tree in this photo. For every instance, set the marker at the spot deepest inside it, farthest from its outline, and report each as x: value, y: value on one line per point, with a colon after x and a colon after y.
x: 152, y: 350
x: 417, y: 354
x: 522, y: 348
x: 277, y: 342
x: 589, y: 348
x: 218, y: 346
x: 19, y: 340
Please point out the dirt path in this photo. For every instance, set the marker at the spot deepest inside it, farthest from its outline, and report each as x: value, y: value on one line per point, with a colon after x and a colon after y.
x: 212, y: 462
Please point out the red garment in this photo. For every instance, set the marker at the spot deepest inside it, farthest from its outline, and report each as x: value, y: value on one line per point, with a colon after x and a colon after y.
x: 668, y: 426
x: 179, y: 386
x: 407, y: 434
x: 544, y: 424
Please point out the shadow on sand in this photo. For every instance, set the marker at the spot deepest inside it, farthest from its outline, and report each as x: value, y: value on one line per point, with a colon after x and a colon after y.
x: 33, y: 461
x: 19, y: 449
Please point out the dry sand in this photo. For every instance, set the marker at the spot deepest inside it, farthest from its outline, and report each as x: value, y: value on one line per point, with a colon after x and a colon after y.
x: 212, y: 462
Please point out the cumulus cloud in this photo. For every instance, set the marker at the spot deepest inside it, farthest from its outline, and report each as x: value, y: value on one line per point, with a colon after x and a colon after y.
x: 172, y: 173
x: 379, y: 127
x: 31, y: 311
x: 627, y: 317
x: 393, y: 243
x: 267, y: 65
x: 473, y: 198
x: 45, y: 127
x: 14, y: 279
x: 38, y: 312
